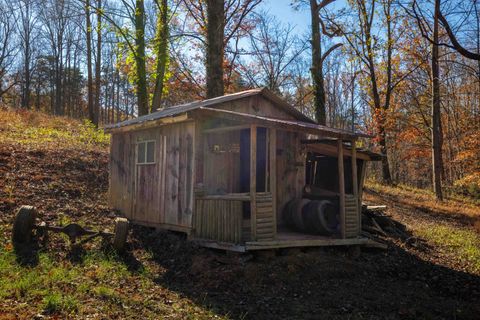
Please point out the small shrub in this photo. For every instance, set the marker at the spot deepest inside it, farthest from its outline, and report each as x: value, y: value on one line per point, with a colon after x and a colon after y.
x: 469, y: 185
x: 56, y: 303
x: 104, y: 292
x: 52, y: 303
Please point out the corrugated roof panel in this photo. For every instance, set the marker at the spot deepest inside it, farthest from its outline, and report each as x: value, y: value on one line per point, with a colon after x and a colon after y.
x: 174, y: 110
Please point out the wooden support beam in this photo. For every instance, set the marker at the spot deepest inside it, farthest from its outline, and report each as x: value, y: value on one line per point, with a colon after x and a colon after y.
x: 341, y: 186
x: 273, y: 175
x: 226, y: 129
x: 331, y: 150
x: 253, y: 181
x: 355, y: 179
x: 363, y: 168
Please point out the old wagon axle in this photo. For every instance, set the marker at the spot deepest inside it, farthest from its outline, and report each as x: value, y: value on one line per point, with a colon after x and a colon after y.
x: 24, y: 227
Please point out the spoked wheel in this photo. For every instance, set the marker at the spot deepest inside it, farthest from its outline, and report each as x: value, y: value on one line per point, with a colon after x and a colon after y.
x: 121, y: 232
x: 23, y: 225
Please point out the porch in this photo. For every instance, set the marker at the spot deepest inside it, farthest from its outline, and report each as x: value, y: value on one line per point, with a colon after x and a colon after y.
x: 238, y: 203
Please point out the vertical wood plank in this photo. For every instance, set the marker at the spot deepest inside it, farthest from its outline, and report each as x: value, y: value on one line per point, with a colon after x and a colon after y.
x: 253, y: 181
x: 341, y: 186
x: 273, y: 176
x: 363, y: 168
x: 355, y: 178
x: 191, y: 172
x: 164, y: 172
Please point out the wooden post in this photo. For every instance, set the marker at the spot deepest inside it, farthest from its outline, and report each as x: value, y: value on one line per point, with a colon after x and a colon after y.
x: 341, y: 186
x: 363, y: 167
x: 273, y: 176
x: 355, y: 181
x: 253, y: 181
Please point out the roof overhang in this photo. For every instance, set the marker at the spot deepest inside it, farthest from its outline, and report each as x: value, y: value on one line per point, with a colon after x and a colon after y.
x: 329, y: 149
x: 147, y: 124
x: 287, y: 125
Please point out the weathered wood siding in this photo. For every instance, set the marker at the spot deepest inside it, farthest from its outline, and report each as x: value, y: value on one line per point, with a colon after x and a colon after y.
x: 218, y: 219
x: 351, y: 216
x: 159, y: 193
x: 122, y: 173
x: 256, y: 105
x: 222, y: 167
x: 291, y: 160
x: 265, y: 221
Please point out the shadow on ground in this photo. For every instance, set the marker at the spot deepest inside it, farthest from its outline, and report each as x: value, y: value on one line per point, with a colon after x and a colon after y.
x: 415, y: 207
x: 313, y: 283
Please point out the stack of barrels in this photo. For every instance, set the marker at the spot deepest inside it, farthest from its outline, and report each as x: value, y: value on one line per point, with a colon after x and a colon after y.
x: 312, y: 216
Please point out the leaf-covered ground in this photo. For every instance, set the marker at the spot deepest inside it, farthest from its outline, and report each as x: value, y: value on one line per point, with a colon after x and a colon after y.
x: 60, y: 167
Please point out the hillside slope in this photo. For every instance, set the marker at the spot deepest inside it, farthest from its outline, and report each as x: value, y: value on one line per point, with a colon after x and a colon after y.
x: 60, y: 166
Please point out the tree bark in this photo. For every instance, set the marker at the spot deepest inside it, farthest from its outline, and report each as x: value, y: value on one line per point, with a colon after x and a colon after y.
x: 436, y: 120
x: 141, y: 76
x: 98, y: 65
x: 91, y: 112
x: 379, y: 110
x: 161, y: 51
x: 26, y: 29
x: 317, y: 66
x: 215, y: 47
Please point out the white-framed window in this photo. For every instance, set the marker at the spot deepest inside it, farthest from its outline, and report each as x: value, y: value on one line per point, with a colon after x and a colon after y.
x: 146, y: 152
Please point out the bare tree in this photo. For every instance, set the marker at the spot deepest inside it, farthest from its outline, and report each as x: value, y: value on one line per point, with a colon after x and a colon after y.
x: 364, y: 45
x: 56, y: 16
x: 91, y: 110
x: 222, y: 20
x: 272, y: 51
x: 98, y: 62
x: 26, y: 24
x: 7, y: 47
x: 437, y: 136
x: 318, y: 57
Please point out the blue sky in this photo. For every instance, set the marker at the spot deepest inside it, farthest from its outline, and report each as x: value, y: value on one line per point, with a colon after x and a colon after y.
x: 286, y: 14
x: 298, y: 18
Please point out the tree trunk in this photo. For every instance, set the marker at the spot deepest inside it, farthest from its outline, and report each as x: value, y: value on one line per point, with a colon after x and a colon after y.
x: 98, y: 64
x: 317, y: 66
x: 161, y: 51
x: 117, y: 103
x: 215, y: 47
x: 379, y: 110
x: 91, y: 111
x: 141, y: 81
x: 26, y: 90
x: 436, y: 120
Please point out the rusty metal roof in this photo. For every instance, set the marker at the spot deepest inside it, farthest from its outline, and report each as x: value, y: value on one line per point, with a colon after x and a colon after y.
x: 292, y: 125
x: 178, y: 109
x: 303, y: 123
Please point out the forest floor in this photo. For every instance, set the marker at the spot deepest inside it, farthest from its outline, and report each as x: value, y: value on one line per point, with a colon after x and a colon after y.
x: 60, y: 167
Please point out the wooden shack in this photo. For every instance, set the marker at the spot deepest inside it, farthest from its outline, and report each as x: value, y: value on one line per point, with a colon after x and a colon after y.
x: 223, y: 170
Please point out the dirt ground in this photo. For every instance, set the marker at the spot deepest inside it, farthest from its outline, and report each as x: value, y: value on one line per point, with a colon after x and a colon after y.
x: 402, y: 282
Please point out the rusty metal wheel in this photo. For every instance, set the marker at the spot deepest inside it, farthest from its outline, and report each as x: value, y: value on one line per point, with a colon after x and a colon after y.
x: 121, y: 232
x: 22, y: 232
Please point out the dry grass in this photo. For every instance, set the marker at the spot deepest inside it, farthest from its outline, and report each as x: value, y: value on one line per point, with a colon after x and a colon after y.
x: 451, y: 226
x: 36, y: 129
x: 59, y: 165
x: 454, y: 205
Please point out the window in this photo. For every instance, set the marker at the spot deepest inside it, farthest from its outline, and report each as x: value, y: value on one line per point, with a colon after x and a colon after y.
x: 146, y: 152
